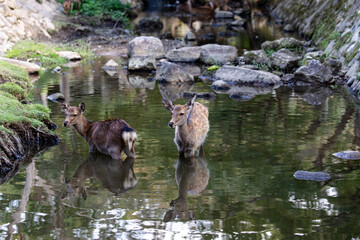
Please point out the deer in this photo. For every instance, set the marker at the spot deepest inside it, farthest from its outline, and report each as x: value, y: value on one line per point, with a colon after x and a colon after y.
x: 69, y: 4
x: 191, y: 125
x: 110, y: 137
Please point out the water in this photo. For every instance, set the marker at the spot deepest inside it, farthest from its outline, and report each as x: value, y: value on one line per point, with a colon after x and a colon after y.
x: 240, y: 187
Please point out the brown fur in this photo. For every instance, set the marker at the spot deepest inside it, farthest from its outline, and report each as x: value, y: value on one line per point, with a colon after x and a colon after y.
x: 69, y: 5
x: 190, y: 131
x: 109, y: 136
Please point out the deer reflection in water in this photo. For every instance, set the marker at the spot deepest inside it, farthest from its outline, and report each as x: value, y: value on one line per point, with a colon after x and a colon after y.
x: 116, y: 176
x: 192, y: 176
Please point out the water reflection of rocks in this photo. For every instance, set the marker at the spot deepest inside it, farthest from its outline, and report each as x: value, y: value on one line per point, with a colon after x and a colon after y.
x: 116, y: 176
x: 192, y: 177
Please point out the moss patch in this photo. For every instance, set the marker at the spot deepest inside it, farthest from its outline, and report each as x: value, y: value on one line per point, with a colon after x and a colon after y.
x: 45, y: 54
x: 14, y: 86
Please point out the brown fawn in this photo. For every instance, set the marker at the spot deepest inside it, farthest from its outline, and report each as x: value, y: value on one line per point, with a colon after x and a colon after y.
x: 108, y: 137
x: 69, y: 4
x: 191, y: 125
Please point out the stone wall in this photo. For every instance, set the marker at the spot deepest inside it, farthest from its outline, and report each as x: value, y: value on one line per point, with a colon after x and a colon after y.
x: 334, y: 25
x: 26, y: 19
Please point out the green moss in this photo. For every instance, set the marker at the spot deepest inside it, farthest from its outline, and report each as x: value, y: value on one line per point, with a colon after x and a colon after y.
x: 213, y: 68
x: 14, y: 74
x: 14, y: 112
x: 14, y: 89
x: 342, y: 40
x: 6, y: 130
x: 45, y: 53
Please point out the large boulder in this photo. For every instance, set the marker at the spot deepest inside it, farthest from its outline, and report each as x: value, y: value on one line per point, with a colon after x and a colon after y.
x: 145, y: 46
x: 171, y: 72
x: 240, y: 75
x: 314, y: 72
x: 285, y: 60
x: 185, y: 54
x: 218, y: 54
x: 144, y: 63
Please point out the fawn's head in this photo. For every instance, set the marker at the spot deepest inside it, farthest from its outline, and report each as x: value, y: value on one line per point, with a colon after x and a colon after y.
x: 73, y: 114
x: 180, y: 113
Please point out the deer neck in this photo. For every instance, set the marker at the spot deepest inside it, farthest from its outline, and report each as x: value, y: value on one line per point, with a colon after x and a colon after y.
x: 83, y: 126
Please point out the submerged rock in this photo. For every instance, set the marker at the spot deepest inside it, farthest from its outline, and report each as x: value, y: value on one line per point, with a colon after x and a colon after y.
x: 314, y: 72
x: 56, y: 97
x: 312, y: 176
x: 207, y: 95
x: 218, y: 54
x: 348, y: 155
x: 144, y: 46
x: 110, y: 65
x: 240, y: 75
x: 145, y: 63
x: 171, y: 72
x: 185, y: 54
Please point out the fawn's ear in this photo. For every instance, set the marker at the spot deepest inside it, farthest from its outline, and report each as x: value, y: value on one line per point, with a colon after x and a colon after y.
x: 82, y: 107
x: 64, y: 106
x: 168, y: 104
x: 190, y: 103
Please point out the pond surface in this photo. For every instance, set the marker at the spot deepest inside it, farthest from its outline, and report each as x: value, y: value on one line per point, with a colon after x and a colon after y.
x: 241, y: 186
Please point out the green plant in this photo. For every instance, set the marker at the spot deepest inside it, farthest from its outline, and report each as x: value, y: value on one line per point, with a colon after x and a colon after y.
x: 213, y: 68
x: 14, y: 89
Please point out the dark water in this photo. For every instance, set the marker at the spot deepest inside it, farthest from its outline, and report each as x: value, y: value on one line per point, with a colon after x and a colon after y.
x: 240, y: 187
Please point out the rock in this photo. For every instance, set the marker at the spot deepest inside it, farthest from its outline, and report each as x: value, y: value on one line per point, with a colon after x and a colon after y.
x: 313, y: 55
x: 288, y: 78
x: 150, y: 24
x: 69, y: 55
x: 313, y: 72
x: 242, y: 92
x: 193, y: 69
x: 110, y: 65
x: 240, y: 75
x: 141, y: 81
x: 207, y: 95
x: 31, y: 68
x: 348, y: 155
x: 224, y: 14
x: 185, y: 54
x: 238, y: 23
x: 312, y: 176
x: 57, y: 69
x: 289, y: 28
x: 190, y: 36
x: 289, y: 43
x: 146, y: 63
x: 218, y: 54
x: 256, y: 56
x: 171, y: 72
x: 56, y: 97
x: 221, y: 85
x: 174, y: 91
x: 285, y: 59
x: 315, y: 96
x: 144, y: 46
x: 333, y: 65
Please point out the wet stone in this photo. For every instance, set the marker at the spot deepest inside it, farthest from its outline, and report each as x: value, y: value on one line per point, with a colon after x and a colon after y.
x: 207, y: 95
x: 144, y: 63
x: 312, y: 176
x: 348, y: 155
x: 56, y: 97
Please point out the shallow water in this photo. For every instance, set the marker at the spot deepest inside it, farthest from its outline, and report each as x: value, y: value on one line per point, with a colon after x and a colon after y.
x: 240, y: 187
